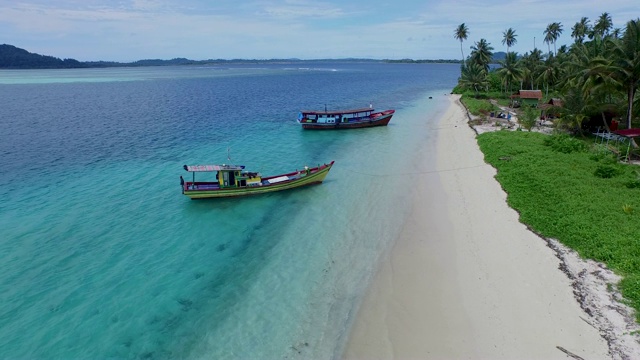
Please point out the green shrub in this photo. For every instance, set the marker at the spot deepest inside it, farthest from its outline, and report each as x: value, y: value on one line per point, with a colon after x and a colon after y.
x: 495, y: 82
x: 565, y: 144
x: 607, y: 171
x: 457, y: 90
x: 528, y: 117
x: 604, y: 157
x: 634, y: 184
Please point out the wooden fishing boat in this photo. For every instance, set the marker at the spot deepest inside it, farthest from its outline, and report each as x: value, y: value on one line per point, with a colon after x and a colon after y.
x: 233, y: 180
x: 344, y: 119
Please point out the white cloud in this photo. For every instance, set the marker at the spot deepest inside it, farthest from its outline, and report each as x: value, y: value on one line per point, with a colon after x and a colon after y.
x: 303, y: 9
x: 199, y: 29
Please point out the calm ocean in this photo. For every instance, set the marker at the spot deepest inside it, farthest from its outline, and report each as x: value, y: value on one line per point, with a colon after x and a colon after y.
x: 101, y: 256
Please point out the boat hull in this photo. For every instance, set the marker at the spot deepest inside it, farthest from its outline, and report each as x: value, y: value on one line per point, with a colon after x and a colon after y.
x: 315, y: 176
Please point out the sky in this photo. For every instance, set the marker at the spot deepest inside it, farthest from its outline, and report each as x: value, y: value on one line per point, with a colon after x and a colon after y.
x: 130, y: 30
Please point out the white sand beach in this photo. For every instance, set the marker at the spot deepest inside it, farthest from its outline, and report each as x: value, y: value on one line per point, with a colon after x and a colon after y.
x: 466, y: 279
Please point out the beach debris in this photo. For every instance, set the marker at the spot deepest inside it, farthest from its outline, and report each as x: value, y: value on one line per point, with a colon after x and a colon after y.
x: 569, y: 353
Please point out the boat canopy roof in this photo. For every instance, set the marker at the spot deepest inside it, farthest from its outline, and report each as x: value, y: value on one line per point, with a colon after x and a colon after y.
x: 203, y: 168
x: 336, y: 112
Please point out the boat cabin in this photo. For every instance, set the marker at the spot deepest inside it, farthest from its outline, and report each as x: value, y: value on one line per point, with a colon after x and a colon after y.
x: 227, y: 176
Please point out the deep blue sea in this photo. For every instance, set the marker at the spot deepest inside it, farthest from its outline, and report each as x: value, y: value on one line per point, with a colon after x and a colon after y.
x: 101, y: 256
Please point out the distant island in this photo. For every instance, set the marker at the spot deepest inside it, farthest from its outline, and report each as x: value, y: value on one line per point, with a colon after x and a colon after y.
x: 12, y: 57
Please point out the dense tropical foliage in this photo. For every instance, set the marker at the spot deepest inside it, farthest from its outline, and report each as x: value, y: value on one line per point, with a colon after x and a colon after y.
x: 599, y: 73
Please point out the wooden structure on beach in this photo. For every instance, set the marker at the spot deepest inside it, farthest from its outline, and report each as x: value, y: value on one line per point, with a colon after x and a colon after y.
x: 528, y: 97
x: 630, y: 135
x: 550, y: 109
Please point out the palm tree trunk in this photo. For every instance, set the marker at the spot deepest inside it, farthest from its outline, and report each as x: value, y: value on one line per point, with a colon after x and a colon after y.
x: 547, y: 90
x: 604, y: 121
x: 461, y: 52
x: 630, y: 94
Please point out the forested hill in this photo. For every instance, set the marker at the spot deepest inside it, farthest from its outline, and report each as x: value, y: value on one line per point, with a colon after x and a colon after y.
x: 12, y: 57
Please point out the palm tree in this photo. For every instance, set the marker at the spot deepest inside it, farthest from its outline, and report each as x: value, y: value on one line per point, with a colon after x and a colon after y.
x: 563, y: 68
x: 616, y: 33
x: 594, y: 73
x: 530, y: 63
x: 510, y: 70
x: 603, y: 25
x: 509, y: 38
x: 548, y: 72
x: 627, y: 53
x: 556, y: 30
x: 548, y: 36
x: 562, y: 50
x: 574, y: 110
x: 473, y: 76
x: 482, y: 54
x: 461, y: 33
x: 580, y: 30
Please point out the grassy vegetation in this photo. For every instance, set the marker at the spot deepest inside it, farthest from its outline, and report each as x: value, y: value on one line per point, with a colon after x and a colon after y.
x: 504, y: 102
x: 477, y: 103
x: 478, y: 106
x: 564, y: 188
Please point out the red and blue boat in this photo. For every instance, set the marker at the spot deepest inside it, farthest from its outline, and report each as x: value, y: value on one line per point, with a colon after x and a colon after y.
x: 344, y: 119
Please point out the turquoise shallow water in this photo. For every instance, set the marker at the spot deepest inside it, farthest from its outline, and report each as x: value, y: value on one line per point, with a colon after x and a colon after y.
x: 102, y: 257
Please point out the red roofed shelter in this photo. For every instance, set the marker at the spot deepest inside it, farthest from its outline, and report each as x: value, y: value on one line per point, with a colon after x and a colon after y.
x: 529, y: 97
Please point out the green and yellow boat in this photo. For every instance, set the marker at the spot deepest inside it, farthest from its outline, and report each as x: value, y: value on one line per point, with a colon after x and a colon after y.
x: 233, y: 180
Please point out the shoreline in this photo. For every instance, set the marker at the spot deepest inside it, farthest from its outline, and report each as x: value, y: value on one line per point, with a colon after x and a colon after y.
x: 466, y: 279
